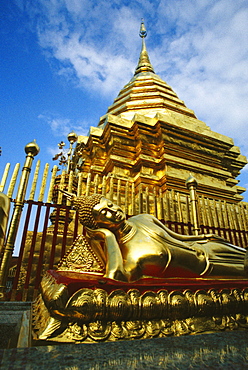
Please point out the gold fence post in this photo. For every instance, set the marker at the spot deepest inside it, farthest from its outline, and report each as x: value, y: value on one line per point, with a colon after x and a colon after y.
x: 191, y: 184
x: 31, y: 150
x: 4, y: 216
x: 4, y: 178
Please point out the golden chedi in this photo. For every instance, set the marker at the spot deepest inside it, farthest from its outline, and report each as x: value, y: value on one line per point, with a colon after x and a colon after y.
x: 133, y: 277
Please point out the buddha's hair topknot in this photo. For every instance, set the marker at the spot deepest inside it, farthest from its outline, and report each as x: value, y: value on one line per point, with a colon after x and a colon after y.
x: 85, y: 205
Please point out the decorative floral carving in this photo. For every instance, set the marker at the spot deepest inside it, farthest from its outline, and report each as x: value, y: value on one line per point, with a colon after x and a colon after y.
x: 81, y: 258
x: 92, y: 315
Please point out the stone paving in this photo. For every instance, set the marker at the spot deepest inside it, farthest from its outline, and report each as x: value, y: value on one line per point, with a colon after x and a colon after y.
x: 225, y: 350
x: 15, y: 324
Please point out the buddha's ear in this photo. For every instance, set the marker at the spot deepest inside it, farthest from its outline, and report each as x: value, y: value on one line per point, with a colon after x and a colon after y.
x: 90, y: 232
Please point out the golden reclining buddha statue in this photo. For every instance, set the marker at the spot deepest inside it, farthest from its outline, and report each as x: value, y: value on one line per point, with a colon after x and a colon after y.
x: 136, y: 278
x: 142, y: 246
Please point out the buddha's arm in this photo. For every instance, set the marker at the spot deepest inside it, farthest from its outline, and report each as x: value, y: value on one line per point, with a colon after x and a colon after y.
x: 188, y: 237
x: 114, y: 266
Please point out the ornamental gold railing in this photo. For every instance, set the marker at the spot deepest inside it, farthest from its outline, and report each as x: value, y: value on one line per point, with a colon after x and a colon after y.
x: 48, y: 227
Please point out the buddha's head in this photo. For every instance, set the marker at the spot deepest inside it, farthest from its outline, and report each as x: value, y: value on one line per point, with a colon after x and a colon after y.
x: 107, y: 214
x: 96, y: 211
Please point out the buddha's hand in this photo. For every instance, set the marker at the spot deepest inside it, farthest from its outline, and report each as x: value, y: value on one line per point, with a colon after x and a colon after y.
x: 213, y: 237
x: 114, y: 266
x: 100, y: 234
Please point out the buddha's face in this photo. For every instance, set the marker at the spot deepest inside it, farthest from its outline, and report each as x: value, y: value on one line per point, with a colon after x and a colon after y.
x: 107, y: 214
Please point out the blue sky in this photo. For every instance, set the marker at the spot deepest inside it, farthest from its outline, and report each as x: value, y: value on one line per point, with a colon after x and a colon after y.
x: 64, y: 61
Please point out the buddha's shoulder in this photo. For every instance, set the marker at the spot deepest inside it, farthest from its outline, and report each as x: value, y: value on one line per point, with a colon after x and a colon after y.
x: 142, y: 218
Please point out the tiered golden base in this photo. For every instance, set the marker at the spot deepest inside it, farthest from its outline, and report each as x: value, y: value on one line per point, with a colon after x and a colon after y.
x: 66, y: 312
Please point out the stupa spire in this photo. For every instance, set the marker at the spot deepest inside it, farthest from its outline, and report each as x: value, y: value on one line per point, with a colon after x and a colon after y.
x: 144, y: 64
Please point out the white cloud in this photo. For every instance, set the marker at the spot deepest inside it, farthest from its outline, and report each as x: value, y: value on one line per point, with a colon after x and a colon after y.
x: 206, y: 63
x: 53, y: 151
x: 62, y: 126
x: 198, y: 47
x: 97, y: 54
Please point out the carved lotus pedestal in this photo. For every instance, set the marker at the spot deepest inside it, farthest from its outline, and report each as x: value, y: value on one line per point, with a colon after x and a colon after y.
x: 80, y: 307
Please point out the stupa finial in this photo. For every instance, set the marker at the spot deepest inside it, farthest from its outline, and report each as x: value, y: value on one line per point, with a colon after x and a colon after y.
x: 144, y: 64
x: 142, y: 32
